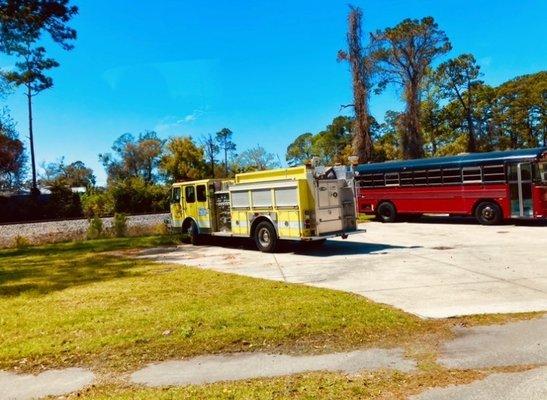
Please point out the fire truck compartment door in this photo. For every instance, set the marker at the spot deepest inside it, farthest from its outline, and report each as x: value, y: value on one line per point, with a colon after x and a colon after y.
x: 329, y: 207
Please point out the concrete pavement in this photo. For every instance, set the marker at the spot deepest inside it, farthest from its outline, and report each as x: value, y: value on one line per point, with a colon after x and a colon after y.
x: 529, y: 385
x: 209, y: 369
x: 48, y: 383
x: 518, y: 343
x: 433, y: 270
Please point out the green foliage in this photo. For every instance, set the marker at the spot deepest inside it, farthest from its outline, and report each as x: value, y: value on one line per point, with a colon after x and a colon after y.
x: 210, y: 148
x: 134, y: 157
x: 183, y: 160
x: 129, y: 196
x: 512, y: 115
x: 119, y: 225
x: 457, y: 81
x: 75, y: 174
x: 300, y: 151
x: 226, y: 145
x: 519, y: 113
x: 63, y: 203
x: 97, y: 202
x: 135, y: 195
x: 12, y: 154
x: 332, y: 145
x: 386, y: 141
x: 95, y: 229
x: 255, y: 159
x: 403, y: 55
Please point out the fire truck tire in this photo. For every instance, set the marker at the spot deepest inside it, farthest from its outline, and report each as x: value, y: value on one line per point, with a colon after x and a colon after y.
x: 386, y: 212
x: 265, y: 237
x: 192, y: 233
x: 488, y: 213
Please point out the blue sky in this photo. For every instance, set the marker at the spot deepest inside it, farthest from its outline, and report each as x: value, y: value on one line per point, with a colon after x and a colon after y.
x: 267, y: 70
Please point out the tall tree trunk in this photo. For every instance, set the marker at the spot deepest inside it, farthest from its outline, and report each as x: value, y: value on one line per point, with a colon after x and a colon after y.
x: 361, y: 142
x: 471, y: 140
x: 34, y: 189
x: 226, y: 161
x: 412, y: 140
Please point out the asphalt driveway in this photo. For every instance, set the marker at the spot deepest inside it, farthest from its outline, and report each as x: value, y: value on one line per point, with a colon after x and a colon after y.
x: 431, y: 268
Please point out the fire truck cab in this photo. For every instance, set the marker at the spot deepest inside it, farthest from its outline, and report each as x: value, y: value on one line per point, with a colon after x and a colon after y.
x: 298, y: 203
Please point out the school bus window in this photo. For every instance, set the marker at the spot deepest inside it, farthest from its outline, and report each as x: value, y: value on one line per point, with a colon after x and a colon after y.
x: 201, y: 191
x: 190, y: 194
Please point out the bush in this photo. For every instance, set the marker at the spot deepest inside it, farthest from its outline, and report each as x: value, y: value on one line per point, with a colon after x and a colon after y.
x: 97, y: 203
x: 21, y: 242
x: 95, y: 228
x: 119, y: 225
x: 63, y: 203
x: 134, y: 195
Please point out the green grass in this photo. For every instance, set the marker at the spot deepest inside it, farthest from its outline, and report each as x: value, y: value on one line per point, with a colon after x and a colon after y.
x: 361, y: 217
x: 375, y: 385
x: 73, y: 304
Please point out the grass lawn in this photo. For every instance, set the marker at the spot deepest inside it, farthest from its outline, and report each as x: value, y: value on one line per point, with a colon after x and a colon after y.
x: 73, y: 304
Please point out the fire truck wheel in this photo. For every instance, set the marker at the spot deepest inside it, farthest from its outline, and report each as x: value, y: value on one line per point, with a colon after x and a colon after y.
x: 488, y: 213
x: 265, y: 237
x: 386, y: 212
x: 192, y: 233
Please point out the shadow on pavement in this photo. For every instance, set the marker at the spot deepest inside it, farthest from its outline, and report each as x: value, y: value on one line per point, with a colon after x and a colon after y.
x: 313, y: 249
x: 461, y: 220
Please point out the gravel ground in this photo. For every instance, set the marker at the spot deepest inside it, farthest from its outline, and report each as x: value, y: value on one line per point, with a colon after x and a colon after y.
x: 46, y: 232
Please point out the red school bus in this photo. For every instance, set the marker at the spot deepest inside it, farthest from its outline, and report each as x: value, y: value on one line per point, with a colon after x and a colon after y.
x: 492, y: 186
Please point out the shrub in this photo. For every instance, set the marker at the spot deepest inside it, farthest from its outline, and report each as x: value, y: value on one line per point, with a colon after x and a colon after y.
x: 63, y: 203
x: 119, y: 225
x: 161, y: 228
x: 97, y: 203
x: 95, y: 228
x: 134, y: 195
x: 21, y: 242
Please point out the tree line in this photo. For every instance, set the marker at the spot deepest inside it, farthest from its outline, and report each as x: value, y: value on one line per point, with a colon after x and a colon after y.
x: 139, y: 170
x: 448, y: 108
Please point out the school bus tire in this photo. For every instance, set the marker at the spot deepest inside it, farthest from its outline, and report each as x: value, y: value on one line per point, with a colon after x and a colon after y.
x: 386, y: 212
x: 488, y: 213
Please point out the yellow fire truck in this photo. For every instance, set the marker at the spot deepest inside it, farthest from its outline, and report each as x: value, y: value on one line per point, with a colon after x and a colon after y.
x: 299, y: 203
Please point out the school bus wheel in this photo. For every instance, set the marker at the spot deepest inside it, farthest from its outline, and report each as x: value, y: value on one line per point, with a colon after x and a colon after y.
x: 488, y: 213
x: 386, y: 212
x: 265, y: 237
